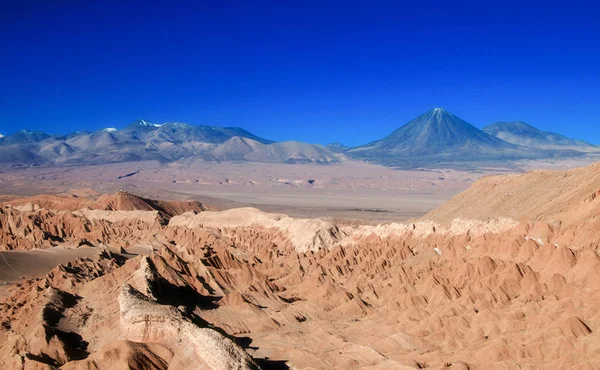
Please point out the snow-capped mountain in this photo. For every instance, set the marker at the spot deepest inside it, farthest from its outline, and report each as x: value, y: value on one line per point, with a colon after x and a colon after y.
x: 144, y: 140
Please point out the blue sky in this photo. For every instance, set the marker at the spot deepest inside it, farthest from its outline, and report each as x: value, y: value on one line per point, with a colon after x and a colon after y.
x: 315, y: 71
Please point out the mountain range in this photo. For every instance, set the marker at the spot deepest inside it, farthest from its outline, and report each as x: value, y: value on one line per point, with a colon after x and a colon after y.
x: 436, y: 138
x: 143, y: 140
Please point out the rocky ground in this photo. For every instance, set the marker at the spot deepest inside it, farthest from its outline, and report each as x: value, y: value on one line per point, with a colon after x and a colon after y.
x: 504, y: 276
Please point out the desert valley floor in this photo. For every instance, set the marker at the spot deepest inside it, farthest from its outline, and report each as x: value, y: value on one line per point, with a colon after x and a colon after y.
x: 503, y: 275
x: 350, y: 190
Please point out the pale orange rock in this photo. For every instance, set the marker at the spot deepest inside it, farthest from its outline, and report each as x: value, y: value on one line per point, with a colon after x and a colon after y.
x: 504, y: 276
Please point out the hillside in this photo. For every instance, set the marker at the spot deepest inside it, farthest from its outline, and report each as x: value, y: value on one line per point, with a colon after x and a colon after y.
x: 120, y: 201
x: 520, y: 133
x: 548, y: 196
x: 292, y: 152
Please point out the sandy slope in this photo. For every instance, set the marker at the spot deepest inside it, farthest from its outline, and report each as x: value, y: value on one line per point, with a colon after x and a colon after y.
x: 477, y: 285
x: 559, y: 196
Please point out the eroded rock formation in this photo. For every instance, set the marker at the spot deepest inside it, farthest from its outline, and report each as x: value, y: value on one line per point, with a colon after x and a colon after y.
x: 246, y: 289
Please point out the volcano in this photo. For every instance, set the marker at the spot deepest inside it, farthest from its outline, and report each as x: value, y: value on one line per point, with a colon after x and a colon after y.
x: 438, y: 137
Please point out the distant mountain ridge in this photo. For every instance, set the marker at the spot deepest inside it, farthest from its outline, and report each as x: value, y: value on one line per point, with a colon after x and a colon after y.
x: 337, y: 147
x: 24, y: 136
x: 521, y: 133
x: 144, y: 140
x: 434, y: 139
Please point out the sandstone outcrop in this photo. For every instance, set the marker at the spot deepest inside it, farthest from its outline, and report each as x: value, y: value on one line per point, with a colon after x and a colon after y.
x: 145, y: 321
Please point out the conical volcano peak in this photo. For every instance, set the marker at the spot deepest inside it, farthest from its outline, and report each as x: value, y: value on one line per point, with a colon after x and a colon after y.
x: 435, y: 135
x: 437, y: 114
x: 439, y: 111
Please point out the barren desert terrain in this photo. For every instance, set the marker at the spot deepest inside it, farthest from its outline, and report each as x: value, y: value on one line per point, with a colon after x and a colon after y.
x: 503, y: 276
x: 247, y: 185
x: 350, y: 190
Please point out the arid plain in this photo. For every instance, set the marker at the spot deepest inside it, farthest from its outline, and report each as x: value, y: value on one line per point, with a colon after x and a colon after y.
x: 350, y: 189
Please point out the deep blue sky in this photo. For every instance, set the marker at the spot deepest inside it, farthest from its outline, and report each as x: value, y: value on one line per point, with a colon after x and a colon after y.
x: 316, y: 71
